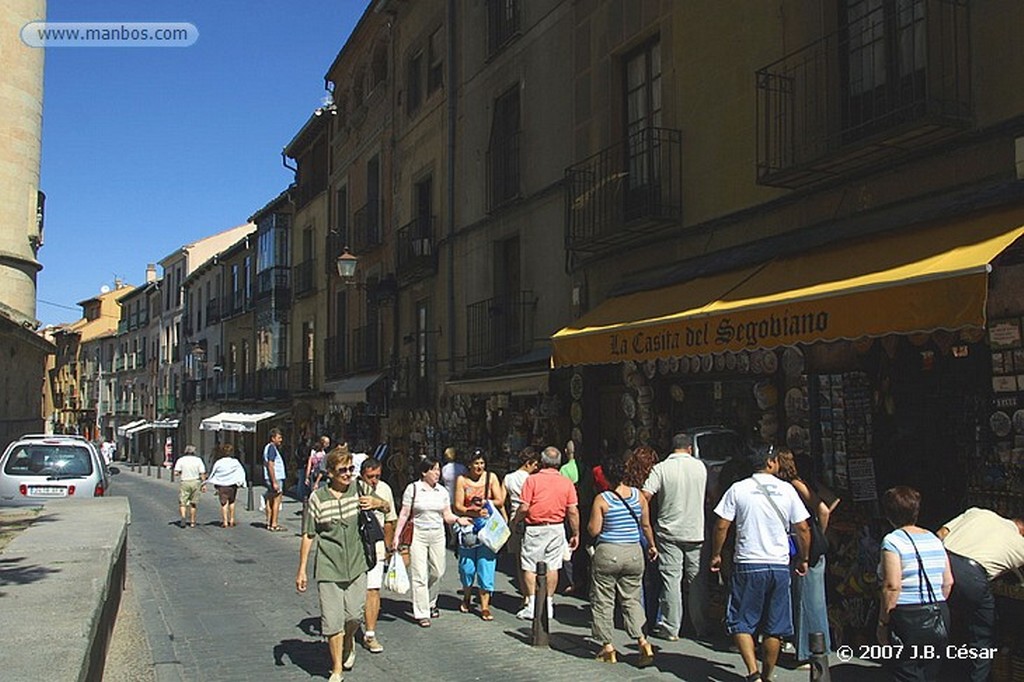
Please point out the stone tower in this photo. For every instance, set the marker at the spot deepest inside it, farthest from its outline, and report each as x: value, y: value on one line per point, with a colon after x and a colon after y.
x: 21, y: 122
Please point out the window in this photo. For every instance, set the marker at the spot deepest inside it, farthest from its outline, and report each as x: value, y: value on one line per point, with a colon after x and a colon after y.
x: 503, y: 150
x: 413, y: 83
x: 643, y: 116
x: 373, y: 200
x: 435, y: 64
x: 502, y: 23
x: 247, y: 278
x: 379, y: 65
x: 883, y: 63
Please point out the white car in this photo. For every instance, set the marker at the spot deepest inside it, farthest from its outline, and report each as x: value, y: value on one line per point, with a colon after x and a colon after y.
x: 38, y: 467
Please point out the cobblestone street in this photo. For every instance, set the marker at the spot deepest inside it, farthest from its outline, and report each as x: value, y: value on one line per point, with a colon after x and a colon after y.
x: 220, y: 604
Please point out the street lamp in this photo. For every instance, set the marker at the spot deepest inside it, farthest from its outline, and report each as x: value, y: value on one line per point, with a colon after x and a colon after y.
x: 347, y: 265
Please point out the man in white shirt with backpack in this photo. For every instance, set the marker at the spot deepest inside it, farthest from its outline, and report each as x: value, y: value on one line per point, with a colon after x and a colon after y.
x: 764, y: 509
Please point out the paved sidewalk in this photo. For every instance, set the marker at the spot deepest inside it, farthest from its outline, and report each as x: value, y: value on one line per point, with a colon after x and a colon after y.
x: 220, y: 604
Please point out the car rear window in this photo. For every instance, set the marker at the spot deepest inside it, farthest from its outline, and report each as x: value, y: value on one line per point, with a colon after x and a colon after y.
x: 38, y: 459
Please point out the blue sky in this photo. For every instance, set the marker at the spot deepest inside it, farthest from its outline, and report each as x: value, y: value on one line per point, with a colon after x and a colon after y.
x: 146, y: 149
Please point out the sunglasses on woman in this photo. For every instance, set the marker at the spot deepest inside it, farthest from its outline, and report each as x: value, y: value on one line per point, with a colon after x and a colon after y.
x: 345, y: 470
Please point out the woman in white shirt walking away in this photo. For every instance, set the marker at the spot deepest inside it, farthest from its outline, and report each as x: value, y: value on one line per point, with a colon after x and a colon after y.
x: 426, y: 505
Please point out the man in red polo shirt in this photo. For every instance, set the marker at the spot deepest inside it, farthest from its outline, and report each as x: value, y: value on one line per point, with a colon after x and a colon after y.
x: 548, y: 499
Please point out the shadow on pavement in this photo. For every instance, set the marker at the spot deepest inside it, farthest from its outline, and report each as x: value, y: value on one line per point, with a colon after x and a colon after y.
x: 311, y: 657
x: 12, y: 574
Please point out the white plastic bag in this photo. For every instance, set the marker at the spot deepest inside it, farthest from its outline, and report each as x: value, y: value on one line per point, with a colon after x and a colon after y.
x: 396, y: 579
x: 495, y: 532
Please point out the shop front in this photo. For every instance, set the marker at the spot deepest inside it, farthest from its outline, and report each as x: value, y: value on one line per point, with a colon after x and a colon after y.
x: 878, y: 362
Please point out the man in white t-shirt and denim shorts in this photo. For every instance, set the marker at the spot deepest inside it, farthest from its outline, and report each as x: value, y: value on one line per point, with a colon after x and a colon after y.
x: 764, y: 509
x: 513, y: 482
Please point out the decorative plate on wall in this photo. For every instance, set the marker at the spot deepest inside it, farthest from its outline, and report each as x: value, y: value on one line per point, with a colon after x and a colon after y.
x: 576, y: 386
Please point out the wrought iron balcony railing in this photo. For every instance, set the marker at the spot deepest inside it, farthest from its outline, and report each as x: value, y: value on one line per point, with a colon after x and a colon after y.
x: 303, y: 376
x: 272, y: 382
x: 500, y: 328
x: 304, y: 275
x: 366, y: 228
x: 334, y: 362
x: 416, y: 250
x: 365, y: 350
x: 892, y: 80
x: 213, y: 311
x: 630, y: 189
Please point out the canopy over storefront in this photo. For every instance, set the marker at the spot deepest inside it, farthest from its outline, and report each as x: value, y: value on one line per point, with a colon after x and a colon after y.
x: 123, y: 430
x: 352, y: 390
x: 916, y: 281
x: 138, y: 428
x: 165, y: 424
x: 526, y: 383
x: 235, y: 421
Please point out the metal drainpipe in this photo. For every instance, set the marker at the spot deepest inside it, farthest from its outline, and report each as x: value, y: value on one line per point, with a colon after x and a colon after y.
x: 450, y: 209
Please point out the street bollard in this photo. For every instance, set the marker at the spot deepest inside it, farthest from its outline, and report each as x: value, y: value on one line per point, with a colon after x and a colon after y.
x: 540, y: 607
x: 158, y: 471
x: 148, y: 472
x: 248, y: 500
x: 819, y: 658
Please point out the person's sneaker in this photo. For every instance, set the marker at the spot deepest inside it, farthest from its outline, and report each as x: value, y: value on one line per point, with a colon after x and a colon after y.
x: 662, y: 632
x: 336, y: 677
x: 348, y: 654
x: 525, y: 613
x: 372, y: 645
x: 788, y: 648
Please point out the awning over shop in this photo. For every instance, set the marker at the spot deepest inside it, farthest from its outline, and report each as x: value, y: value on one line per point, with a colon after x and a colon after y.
x: 235, y: 421
x: 122, y: 430
x: 165, y: 424
x: 527, y: 383
x: 352, y: 390
x: 138, y: 428
x: 918, y: 281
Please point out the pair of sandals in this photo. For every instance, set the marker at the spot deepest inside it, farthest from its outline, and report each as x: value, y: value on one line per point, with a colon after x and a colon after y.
x: 225, y: 525
x: 434, y: 613
x: 485, y: 614
x: 276, y: 529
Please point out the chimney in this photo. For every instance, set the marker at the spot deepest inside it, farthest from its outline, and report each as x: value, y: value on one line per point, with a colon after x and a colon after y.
x: 118, y: 283
x: 150, y: 273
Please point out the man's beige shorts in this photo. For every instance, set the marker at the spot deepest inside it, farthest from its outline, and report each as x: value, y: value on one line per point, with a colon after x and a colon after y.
x: 188, y: 493
x: 543, y: 543
x: 341, y: 603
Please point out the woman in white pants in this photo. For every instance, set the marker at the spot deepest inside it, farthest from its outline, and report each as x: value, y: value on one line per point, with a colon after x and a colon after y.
x: 426, y: 505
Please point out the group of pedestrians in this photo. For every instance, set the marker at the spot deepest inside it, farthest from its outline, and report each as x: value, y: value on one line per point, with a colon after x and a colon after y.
x: 647, y: 525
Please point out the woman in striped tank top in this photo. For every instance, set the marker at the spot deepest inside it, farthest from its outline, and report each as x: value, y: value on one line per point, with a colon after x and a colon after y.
x: 914, y: 570
x: 616, y: 520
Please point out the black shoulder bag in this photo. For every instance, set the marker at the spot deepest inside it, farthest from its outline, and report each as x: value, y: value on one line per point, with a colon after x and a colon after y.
x: 370, y: 531
x: 920, y: 623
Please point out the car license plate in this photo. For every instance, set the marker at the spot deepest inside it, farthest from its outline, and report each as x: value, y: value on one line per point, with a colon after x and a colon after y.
x: 48, y: 490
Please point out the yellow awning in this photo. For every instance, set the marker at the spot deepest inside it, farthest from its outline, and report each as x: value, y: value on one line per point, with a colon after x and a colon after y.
x: 918, y: 281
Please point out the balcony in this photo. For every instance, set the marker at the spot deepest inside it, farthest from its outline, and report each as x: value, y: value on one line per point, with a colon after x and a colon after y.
x: 365, y: 349
x: 630, y: 190
x: 302, y: 376
x: 893, y: 81
x: 275, y: 284
x: 304, y: 277
x: 166, y: 404
x: 271, y: 382
x: 416, y: 250
x: 334, y: 361
x: 366, y: 228
x: 212, y: 311
x: 499, y: 328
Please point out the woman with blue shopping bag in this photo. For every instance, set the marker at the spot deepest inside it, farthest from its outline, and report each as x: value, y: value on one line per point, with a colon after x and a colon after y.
x: 478, y: 494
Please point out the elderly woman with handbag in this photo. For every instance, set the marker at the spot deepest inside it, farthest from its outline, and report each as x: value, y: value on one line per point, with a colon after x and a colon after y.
x: 618, y: 518
x: 427, y: 508
x: 916, y: 581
